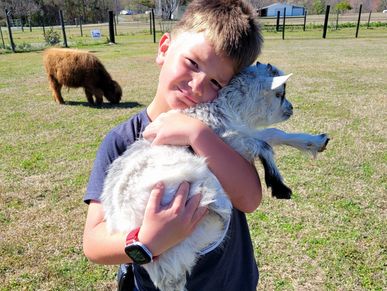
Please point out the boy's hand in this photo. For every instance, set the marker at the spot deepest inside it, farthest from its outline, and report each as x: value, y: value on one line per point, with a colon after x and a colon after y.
x: 173, y: 128
x: 165, y: 226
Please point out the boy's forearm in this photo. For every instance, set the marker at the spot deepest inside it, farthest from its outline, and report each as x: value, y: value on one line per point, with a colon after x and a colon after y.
x: 238, y: 177
x: 162, y: 227
x: 99, y: 246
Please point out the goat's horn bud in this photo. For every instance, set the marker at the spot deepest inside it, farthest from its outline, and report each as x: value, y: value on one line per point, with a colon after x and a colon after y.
x: 278, y: 81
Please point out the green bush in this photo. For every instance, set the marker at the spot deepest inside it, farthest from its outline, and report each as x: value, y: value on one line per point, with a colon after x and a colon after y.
x: 52, y: 37
x: 24, y: 47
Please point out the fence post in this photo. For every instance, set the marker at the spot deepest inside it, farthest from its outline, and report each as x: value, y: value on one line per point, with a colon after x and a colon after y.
x: 9, y: 31
x: 111, y: 27
x: 358, y: 21
x: 150, y: 23
x: 306, y: 12
x: 63, y: 28
x: 283, y: 25
x: 278, y: 20
x: 44, y: 29
x: 117, y: 13
x: 154, y: 26
x: 337, y: 20
x: 115, y: 25
x: 2, y: 39
x: 369, y: 19
x: 80, y: 24
x: 326, y: 21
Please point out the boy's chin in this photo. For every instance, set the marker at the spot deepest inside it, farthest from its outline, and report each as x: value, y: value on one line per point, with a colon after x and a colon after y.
x: 179, y: 106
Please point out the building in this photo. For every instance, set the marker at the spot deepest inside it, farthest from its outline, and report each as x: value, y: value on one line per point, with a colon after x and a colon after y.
x: 271, y: 10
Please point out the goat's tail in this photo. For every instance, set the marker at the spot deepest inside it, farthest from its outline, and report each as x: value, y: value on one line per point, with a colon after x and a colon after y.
x: 273, y: 177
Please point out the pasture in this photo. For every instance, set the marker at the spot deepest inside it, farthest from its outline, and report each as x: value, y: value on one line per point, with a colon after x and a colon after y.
x: 331, y: 236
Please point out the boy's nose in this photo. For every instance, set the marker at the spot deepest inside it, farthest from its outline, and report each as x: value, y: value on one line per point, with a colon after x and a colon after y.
x: 197, y: 84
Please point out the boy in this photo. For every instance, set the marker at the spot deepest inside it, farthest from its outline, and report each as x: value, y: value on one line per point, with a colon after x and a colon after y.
x: 213, y: 41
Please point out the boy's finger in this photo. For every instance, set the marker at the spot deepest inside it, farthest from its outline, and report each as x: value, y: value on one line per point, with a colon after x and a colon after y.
x: 198, y: 215
x: 193, y: 204
x: 156, y: 195
x: 148, y: 135
x: 181, y: 196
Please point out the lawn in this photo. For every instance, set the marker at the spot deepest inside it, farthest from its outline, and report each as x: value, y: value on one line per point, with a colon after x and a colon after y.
x: 331, y: 236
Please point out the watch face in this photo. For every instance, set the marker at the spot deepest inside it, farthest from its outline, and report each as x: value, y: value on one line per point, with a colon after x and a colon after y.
x: 137, y: 254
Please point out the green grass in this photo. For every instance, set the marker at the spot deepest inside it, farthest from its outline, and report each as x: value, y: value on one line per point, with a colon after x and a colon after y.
x: 331, y: 236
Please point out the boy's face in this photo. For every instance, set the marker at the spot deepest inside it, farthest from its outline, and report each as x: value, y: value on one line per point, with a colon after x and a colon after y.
x: 191, y: 71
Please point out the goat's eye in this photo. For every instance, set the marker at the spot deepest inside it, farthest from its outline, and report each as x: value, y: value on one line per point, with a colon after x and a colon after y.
x: 278, y: 95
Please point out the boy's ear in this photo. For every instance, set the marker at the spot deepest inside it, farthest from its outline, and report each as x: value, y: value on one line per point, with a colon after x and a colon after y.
x: 164, y: 43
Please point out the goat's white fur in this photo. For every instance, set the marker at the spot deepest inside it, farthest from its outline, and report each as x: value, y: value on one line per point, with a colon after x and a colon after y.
x: 254, y: 98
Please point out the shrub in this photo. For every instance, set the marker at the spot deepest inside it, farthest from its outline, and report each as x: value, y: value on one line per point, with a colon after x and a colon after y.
x: 24, y: 47
x: 52, y: 37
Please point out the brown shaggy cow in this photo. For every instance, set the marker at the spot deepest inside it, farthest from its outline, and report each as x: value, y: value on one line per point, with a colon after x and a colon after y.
x: 74, y: 68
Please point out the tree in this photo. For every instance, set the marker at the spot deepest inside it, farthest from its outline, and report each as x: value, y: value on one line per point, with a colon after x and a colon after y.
x: 318, y: 7
x: 166, y: 7
x: 139, y: 5
x: 343, y: 6
x: 382, y: 5
x: 147, y: 3
x: 19, y: 8
x: 260, y: 3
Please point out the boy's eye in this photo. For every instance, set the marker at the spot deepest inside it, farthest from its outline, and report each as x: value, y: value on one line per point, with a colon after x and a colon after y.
x: 193, y: 63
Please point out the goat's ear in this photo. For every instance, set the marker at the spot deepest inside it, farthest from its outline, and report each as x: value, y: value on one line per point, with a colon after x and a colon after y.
x: 278, y: 81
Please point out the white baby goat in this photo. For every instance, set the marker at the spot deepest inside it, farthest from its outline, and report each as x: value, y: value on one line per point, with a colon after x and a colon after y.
x: 254, y: 98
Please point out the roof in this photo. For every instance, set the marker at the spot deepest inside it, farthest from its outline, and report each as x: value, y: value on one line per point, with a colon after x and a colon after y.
x: 281, y: 4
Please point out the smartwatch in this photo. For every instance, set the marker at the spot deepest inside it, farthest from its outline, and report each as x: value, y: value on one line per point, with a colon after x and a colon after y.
x: 135, y: 250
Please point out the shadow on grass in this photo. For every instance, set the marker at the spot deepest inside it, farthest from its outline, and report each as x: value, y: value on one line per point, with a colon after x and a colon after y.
x: 105, y: 105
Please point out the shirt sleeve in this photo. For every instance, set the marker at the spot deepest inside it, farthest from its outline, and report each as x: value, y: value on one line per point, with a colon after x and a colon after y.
x: 111, y: 148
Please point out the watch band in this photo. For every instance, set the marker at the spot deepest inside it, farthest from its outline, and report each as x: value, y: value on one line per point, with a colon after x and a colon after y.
x: 132, y: 238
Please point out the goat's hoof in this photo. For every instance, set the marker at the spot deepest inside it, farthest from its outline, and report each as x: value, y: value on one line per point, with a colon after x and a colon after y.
x: 325, y: 140
x: 281, y: 192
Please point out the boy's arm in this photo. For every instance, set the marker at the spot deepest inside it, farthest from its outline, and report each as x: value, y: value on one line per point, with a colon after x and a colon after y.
x: 162, y: 228
x: 238, y: 177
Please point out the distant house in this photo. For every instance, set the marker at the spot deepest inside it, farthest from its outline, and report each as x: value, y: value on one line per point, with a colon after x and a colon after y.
x: 271, y: 10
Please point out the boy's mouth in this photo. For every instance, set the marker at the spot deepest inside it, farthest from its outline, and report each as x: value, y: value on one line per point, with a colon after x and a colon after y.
x: 188, y: 97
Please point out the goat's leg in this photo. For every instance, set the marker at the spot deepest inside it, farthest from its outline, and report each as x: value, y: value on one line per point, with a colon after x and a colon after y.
x: 273, y: 178
x: 98, y: 96
x: 302, y: 141
x: 89, y: 96
x: 56, y: 89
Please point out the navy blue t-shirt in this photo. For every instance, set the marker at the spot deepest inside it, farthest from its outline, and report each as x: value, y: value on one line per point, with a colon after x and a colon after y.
x: 230, y: 267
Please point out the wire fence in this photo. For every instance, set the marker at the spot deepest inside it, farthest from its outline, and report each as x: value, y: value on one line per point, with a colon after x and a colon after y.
x: 39, y: 37
x: 335, y: 21
x: 139, y: 28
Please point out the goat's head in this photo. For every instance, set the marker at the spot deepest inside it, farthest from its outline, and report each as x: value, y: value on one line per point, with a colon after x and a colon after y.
x: 256, y: 96
x: 113, y: 92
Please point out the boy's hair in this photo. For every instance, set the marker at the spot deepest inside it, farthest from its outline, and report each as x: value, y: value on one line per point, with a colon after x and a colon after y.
x: 229, y: 25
